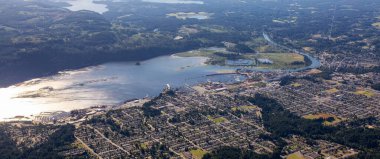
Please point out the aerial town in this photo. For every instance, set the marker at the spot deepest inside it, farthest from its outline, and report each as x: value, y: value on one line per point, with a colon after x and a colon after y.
x: 190, y: 79
x: 191, y: 121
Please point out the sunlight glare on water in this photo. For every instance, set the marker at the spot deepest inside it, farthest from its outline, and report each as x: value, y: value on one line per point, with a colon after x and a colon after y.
x: 106, y: 84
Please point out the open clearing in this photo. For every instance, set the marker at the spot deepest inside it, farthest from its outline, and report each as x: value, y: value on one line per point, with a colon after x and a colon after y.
x: 197, y: 53
x: 324, y: 116
x: 217, y: 120
x: 144, y: 146
x: 314, y: 71
x: 282, y: 57
x: 219, y: 57
x: 281, y: 60
x: 244, y: 108
x: 296, y: 84
x: 332, y: 90
x: 367, y: 93
x: 376, y: 25
x: 296, y: 155
x: 198, y: 153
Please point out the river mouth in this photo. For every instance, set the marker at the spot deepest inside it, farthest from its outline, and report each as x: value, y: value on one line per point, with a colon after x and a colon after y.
x: 114, y: 83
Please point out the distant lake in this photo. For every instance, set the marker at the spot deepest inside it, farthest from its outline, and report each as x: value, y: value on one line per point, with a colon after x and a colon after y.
x: 77, y: 5
x: 174, y: 1
x: 106, y: 84
x: 190, y: 15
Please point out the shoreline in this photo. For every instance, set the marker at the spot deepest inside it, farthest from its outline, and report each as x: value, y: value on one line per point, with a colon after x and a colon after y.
x: 25, y: 70
x: 173, y: 55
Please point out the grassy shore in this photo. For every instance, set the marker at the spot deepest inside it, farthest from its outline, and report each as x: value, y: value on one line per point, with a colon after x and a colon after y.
x: 219, y: 57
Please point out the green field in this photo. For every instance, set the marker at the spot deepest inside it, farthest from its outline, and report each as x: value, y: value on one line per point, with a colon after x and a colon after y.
x: 332, y: 90
x: 218, y: 57
x: 197, y: 53
x: 144, y: 146
x: 217, y: 120
x: 367, y: 93
x: 324, y: 116
x: 296, y: 155
x: 281, y: 60
x: 296, y: 84
x: 198, y: 153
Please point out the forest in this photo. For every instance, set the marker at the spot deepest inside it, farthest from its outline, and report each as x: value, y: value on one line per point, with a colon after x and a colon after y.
x: 62, y: 39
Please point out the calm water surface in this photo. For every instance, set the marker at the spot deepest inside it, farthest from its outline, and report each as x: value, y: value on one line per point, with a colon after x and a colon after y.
x: 105, y: 84
x: 112, y: 83
x: 90, y: 5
